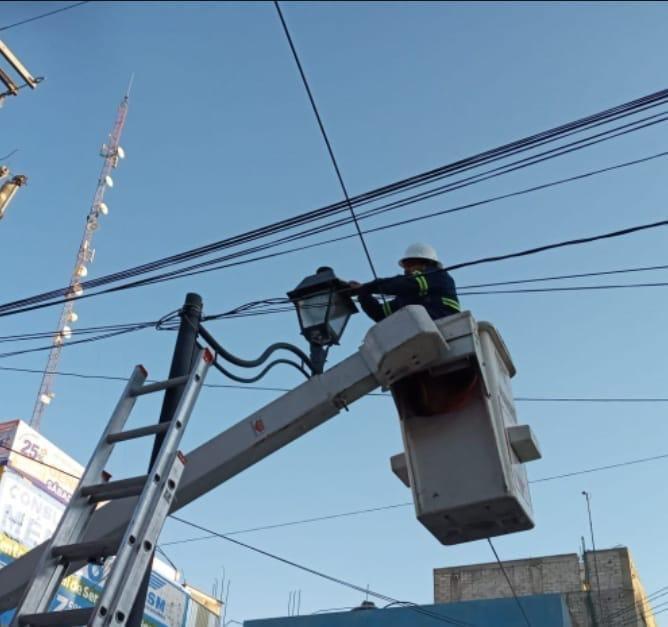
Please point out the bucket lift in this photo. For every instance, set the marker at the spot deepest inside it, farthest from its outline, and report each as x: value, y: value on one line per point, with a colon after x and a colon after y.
x: 464, y: 451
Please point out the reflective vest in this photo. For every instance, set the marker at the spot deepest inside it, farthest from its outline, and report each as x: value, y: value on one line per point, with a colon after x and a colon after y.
x: 435, y: 290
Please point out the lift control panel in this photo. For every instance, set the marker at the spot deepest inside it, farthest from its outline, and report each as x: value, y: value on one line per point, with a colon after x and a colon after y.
x: 464, y: 449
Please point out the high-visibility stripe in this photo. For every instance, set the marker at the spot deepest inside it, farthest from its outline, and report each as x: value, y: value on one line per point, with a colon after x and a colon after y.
x: 387, y: 310
x: 423, y: 286
x: 453, y: 304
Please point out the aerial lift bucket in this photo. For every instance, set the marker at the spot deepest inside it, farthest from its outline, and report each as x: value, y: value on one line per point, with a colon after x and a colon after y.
x: 464, y: 451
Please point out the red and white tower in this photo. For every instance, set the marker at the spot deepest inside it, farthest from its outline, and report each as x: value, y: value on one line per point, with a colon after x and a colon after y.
x: 112, y: 153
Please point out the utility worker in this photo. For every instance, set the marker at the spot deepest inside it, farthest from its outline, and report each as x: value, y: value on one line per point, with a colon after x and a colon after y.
x: 424, y: 282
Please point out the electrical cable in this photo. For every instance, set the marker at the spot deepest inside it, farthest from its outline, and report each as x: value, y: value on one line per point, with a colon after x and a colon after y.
x: 219, y: 350
x: 95, y: 338
x: 325, y: 137
x: 39, y: 461
x: 9, y: 154
x: 381, y: 508
x: 576, y: 288
x: 633, y: 620
x: 43, y: 15
x: 256, y: 388
x: 586, y: 471
x: 524, y: 253
x: 317, y: 573
x: 619, y: 614
x: 264, y: 371
x: 560, y: 277
x: 338, y: 515
x: 573, y: 242
x: 40, y: 335
x: 294, y: 523
x: 188, y: 271
x: 205, y: 249
x: 510, y: 583
x: 6, y: 310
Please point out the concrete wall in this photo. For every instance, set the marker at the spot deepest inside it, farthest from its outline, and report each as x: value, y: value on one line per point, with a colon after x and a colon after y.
x: 543, y: 575
x: 621, y: 603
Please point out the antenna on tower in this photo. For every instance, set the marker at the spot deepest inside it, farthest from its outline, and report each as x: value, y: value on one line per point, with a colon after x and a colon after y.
x: 127, y: 91
x: 112, y: 153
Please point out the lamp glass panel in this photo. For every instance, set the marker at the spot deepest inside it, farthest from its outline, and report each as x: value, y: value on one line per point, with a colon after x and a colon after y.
x: 313, y: 309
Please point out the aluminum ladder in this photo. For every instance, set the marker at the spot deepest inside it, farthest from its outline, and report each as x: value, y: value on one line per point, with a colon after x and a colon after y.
x: 66, y: 550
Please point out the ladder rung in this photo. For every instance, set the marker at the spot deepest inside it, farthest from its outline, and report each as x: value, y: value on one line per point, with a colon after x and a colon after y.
x: 161, y: 427
x: 115, y: 489
x: 161, y: 385
x: 66, y: 617
x: 86, y: 550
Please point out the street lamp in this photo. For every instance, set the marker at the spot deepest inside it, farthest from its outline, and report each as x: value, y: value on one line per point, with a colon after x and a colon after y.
x: 323, y: 308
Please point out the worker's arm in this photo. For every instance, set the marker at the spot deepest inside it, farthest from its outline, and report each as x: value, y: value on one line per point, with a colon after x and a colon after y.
x: 372, y: 308
x: 404, y: 286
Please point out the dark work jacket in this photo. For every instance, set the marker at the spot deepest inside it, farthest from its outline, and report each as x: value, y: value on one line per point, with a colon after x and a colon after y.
x: 435, y: 290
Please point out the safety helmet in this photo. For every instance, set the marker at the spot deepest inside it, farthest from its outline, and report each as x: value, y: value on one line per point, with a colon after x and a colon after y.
x: 421, y: 251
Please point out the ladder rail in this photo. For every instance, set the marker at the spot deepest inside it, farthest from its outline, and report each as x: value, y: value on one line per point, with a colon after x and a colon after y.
x: 135, y: 549
x: 133, y: 556
x: 51, y: 569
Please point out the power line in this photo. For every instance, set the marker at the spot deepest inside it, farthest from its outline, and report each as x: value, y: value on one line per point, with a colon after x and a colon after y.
x: 510, y: 583
x: 255, y: 388
x: 573, y: 288
x: 43, y: 15
x: 250, y: 308
x: 261, y: 388
x: 627, y: 109
x: 95, y: 338
x: 573, y: 242
x: 40, y: 462
x: 293, y: 523
x: 337, y: 515
x: 317, y: 573
x: 559, y: 277
x: 587, y: 471
x: 381, y: 508
x: 325, y: 137
x: 8, y: 308
x: 638, y: 604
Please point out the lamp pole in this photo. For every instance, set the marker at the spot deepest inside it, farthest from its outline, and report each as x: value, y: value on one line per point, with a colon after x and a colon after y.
x: 318, y: 356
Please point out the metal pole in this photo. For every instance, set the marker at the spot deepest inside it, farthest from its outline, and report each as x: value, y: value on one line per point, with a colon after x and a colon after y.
x: 593, y: 546
x: 182, y: 360
x: 590, y: 601
x: 318, y: 355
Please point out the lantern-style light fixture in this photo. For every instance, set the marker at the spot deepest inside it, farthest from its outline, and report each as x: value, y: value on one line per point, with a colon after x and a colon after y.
x: 324, y: 307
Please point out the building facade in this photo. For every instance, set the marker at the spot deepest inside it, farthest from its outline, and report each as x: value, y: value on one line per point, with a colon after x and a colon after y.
x: 619, y: 600
x: 37, y: 480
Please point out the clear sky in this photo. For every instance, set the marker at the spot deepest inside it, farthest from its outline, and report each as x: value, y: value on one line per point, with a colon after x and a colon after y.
x: 220, y: 139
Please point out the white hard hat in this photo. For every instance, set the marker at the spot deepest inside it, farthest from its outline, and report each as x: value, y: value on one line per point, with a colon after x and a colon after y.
x: 421, y: 251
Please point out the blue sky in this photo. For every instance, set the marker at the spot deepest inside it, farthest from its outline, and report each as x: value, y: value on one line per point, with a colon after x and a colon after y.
x: 220, y: 139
